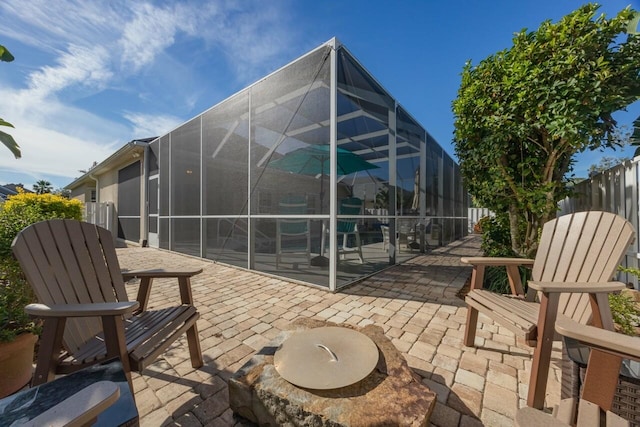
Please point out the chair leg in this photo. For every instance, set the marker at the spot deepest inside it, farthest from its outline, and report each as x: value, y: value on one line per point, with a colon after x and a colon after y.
x: 186, y: 296
x: 278, y: 249
x: 542, y: 353
x: 601, y: 378
x: 477, y: 277
x: 144, y: 290
x: 49, y: 350
x: 345, y: 240
x: 115, y: 341
x: 193, y: 341
x: 359, y: 245
x: 470, y: 328
x: 308, y: 244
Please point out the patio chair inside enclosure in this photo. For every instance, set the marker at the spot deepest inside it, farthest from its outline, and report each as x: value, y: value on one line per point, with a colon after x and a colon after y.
x: 384, y: 229
x: 73, y: 269
x: 607, y: 351
x: 347, y: 227
x: 577, y: 256
x: 293, y: 232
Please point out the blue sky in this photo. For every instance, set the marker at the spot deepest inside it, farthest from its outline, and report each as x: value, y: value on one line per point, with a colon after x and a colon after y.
x: 91, y: 75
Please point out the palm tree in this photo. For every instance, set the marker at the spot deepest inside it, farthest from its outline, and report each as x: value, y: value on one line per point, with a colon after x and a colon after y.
x: 42, y: 187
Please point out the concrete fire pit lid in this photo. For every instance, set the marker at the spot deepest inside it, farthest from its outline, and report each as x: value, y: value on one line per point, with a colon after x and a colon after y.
x: 326, y: 358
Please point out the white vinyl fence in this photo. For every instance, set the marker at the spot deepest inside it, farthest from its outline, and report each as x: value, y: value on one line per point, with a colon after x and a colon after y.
x: 614, y: 190
x: 100, y: 214
x: 474, y: 215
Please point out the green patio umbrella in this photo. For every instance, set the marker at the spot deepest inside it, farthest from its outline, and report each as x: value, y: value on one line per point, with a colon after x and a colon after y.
x: 314, y: 160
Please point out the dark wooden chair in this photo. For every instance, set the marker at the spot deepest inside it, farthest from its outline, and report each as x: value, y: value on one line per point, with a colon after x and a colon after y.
x: 577, y: 256
x: 73, y: 269
x: 594, y: 407
x: 80, y: 409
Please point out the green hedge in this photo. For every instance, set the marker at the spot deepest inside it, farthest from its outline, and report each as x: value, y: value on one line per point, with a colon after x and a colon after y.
x: 16, y: 213
x: 496, y: 242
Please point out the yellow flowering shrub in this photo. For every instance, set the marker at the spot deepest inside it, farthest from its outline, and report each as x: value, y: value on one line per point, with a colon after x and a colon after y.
x: 18, y: 212
x: 48, y: 205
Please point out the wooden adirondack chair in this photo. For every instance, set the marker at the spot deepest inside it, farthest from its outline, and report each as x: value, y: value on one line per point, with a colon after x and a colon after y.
x: 73, y: 269
x: 593, y: 409
x: 577, y: 256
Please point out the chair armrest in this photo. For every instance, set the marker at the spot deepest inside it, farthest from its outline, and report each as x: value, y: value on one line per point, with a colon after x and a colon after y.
x: 159, y: 272
x: 82, y: 310
x: 577, y: 287
x: 146, y: 279
x: 611, y: 342
x: 511, y: 265
x: 497, y: 261
x: 82, y: 407
x: 529, y: 417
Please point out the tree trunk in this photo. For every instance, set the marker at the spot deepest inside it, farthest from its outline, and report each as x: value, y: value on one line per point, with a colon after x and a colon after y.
x: 515, y: 216
x: 525, y: 244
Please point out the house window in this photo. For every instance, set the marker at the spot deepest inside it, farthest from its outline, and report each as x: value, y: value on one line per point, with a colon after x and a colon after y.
x: 92, y: 196
x: 129, y: 202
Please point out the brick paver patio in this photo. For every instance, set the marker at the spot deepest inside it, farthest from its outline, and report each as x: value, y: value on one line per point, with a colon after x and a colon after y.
x: 415, y: 303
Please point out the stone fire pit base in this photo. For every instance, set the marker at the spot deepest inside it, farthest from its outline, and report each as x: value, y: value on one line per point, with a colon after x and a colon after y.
x: 391, y: 395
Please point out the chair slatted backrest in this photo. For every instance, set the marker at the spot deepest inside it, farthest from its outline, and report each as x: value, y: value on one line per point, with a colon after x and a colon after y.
x: 349, y: 206
x: 581, y: 247
x: 294, y: 205
x: 71, y: 262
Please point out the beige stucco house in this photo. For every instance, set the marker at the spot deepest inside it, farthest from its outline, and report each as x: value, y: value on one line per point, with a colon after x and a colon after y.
x: 113, y: 191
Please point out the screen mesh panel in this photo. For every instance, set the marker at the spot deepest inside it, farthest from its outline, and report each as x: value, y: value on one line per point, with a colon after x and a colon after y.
x: 185, y: 169
x: 225, y: 136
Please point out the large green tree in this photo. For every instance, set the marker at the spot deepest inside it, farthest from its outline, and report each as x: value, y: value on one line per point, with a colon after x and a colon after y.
x: 635, y: 137
x: 5, y: 138
x: 523, y: 113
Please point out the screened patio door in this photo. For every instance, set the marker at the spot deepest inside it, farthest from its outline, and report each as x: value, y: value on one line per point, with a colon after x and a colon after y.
x: 154, y: 198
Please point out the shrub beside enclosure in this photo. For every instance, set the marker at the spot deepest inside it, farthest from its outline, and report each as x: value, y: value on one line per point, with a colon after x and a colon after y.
x: 496, y: 242
x: 16, y: 213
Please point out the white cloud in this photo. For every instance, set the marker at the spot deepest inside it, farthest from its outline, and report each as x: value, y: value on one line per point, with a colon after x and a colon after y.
x: 24, y: 110
x: 47, y: 153
x: 63, y: 121
x: 56, y: 139
x: 148, y: 125
x: 80, y: 65
x: 53, y: 25
x: 147, y: 34
x: 253, y: 35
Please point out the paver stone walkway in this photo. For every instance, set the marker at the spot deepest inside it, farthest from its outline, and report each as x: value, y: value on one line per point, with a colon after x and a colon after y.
x: 415, y: 303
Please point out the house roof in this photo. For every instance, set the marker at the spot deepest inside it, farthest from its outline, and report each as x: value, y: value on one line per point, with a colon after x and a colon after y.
x: 6, y: 191
x: 131, y: 148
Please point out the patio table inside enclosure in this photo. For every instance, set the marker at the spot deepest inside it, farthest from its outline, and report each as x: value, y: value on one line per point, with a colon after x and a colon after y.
x: 260, y: 180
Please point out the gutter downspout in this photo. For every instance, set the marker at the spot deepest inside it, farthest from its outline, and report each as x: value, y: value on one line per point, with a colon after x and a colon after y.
x: 93, y: 177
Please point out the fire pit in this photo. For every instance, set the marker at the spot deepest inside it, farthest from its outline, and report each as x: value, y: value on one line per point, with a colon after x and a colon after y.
x: 295, y: 381
x: 326, y: 358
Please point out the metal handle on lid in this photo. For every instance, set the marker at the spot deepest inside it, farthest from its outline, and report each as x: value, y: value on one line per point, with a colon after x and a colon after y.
x: 334, y: 358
